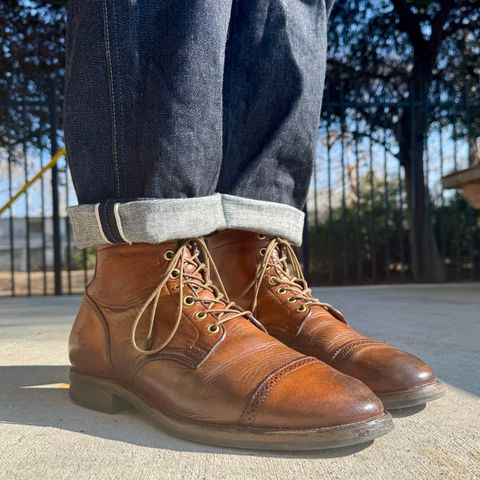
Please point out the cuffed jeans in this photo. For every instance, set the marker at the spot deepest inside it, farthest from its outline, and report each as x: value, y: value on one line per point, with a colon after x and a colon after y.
x: 183, y: 117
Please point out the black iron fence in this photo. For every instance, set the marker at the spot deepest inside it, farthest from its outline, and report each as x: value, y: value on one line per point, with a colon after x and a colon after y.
x: 361, y: 210
x: 37, y: 255
x: 358, y: 210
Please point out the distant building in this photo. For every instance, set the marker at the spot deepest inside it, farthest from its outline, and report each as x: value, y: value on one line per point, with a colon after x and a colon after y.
x: 39, y: 243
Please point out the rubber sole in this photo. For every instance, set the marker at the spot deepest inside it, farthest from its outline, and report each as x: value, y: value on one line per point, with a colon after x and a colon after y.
x: 112, y: 397
x: 412, y: 397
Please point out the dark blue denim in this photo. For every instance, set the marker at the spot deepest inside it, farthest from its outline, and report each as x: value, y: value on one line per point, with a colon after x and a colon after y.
x: 185, y: 98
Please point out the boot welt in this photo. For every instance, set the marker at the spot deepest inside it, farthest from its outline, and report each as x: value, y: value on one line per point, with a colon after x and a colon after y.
x: 412, y: 397
x: 111, y: 397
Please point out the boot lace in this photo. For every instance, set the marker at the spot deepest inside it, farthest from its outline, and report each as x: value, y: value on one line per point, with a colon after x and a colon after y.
x: 292, y: 281
x: 198, y: 278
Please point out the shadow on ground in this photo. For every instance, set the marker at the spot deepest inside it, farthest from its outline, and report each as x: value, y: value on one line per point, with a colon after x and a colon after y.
x: 38, y: 396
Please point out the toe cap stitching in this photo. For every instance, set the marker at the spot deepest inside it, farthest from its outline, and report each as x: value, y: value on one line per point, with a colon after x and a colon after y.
x: 348, y: 348
x: 265, y: 387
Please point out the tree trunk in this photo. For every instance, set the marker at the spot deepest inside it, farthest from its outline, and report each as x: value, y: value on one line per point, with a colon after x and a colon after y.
x: 427, y: 266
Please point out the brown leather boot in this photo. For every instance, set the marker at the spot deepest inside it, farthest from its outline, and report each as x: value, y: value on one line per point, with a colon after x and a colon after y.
x: 264, y: 275
x: 155, y: 332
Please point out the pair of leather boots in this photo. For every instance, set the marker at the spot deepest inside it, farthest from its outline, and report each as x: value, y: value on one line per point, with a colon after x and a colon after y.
x: 274, y: 369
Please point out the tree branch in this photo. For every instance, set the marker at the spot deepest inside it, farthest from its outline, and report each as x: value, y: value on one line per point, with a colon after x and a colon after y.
x: 457, y: 23
x: 438, y: 24
x: 409, y: 23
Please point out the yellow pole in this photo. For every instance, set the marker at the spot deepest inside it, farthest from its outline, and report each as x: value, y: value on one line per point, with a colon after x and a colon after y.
x: 30, y: 182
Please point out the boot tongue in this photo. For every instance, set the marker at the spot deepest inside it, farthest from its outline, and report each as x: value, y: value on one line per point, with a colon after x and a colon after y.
x: 190, y: 267
x: 282, y: 268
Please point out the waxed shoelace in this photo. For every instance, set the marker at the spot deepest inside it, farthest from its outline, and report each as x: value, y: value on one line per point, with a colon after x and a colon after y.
x: 293, y: 282
x: 200, y: 277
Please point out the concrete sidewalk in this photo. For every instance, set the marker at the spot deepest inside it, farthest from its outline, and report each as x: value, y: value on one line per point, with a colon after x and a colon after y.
x: 43, y: 435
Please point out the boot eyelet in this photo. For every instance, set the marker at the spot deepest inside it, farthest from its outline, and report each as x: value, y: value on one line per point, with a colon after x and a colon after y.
x: 261, y: 236
x: 176, y: 287
x: 262, y: 251
x: 301, y: 308
x: 201, y: 315
x: 175, y: 273
x: 292, y: 300
x: 281, y: 290
x: 169, y: 254
x: 213, y: 328
x: 188, y: 300
x: 272, y: 281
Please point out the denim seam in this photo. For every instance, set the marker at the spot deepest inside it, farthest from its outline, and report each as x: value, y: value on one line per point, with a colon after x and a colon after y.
x: 113, y: 222
x: 99, y: 223
x: 227, y: 85
x: 119, y: 224
x: 107, y: 223
x: 121, y: 129
x: 108, y: 55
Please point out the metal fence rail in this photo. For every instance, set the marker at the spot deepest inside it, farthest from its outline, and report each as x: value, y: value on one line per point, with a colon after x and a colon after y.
x: 358, y: 229
x: 358, y: 224
x: 32, y: 260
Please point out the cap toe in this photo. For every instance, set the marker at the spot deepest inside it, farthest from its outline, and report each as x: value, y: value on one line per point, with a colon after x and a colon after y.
x: 311, y: 395
x: 387, y: 369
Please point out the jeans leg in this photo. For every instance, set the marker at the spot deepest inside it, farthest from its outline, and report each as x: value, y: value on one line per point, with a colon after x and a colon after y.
x: 143, y: 112
x: 144, y: 116
x: 273, y: 88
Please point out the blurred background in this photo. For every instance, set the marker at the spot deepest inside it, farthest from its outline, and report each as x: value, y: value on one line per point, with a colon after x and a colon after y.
x: 401, y: 111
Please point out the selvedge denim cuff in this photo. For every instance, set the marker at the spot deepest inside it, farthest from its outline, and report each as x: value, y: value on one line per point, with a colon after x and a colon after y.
x: 160, y: 220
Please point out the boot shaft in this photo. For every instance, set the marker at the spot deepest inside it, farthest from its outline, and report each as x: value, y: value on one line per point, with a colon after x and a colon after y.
x: 237, y: 255
x: 127, y: 274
